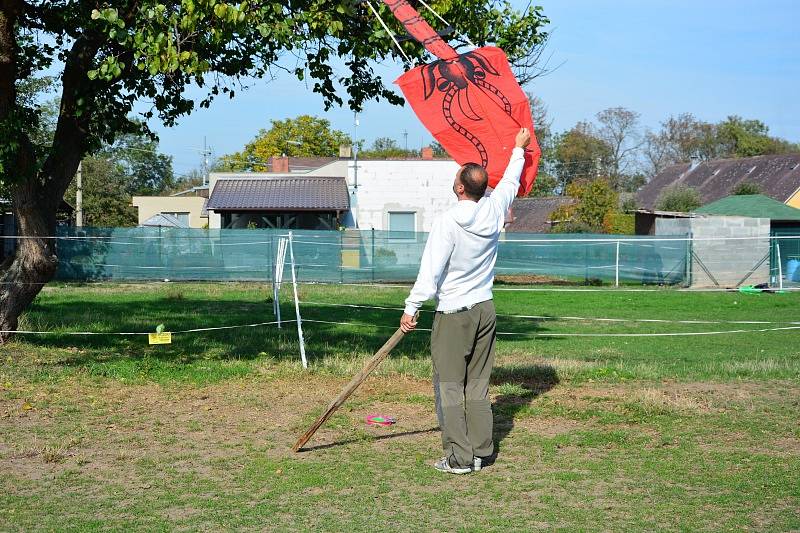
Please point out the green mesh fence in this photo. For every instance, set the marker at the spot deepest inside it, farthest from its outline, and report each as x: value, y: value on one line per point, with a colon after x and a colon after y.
x: 353, y: 256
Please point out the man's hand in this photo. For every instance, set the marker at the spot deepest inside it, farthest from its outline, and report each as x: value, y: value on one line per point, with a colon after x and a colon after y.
x: 523, y: 138
x: 407, y: 323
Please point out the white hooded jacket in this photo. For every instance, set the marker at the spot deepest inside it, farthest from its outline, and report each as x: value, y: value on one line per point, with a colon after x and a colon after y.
x: 457, y: 266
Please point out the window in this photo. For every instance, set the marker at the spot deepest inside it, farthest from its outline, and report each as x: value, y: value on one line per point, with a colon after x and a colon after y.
x: 183, y: 218
x: 402, y: 221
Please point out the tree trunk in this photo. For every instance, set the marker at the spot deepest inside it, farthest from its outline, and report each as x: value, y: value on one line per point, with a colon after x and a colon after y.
x: 35, y: 260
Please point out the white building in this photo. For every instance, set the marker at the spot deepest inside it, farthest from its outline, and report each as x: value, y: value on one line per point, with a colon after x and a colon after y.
x: 394, y: 195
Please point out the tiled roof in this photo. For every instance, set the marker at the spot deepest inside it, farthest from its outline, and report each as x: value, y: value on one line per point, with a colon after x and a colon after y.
x: 751, y: 205
x: 778, y: 176
x: 303, y: 193
x: 531, y: 215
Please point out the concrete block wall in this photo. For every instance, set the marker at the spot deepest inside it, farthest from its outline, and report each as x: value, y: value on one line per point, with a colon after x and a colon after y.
x: 721, y: 258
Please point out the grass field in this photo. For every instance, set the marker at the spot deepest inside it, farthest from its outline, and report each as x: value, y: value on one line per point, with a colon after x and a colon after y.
x: 608, y: 433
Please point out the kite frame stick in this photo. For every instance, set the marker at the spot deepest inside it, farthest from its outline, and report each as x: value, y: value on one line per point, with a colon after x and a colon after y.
x: 357, y: 380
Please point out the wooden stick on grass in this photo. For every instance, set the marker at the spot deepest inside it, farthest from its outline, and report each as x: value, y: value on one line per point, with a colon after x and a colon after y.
x: 357, y: 380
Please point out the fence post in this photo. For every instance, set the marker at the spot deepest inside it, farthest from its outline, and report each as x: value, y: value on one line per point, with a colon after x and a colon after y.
x: 780, y: 267
x: 688, y: 276
x: 616, y: 267
x: 341, y: 256
x: 372, y: 258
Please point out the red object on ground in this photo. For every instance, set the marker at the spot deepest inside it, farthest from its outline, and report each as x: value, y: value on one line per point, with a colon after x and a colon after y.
x: 471, y: 103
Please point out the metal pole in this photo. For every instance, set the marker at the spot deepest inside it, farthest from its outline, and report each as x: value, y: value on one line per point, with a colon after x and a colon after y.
x: 79, y: 197
x: 297, y: 306
x: 373, y: 255
x: 616, y: 268
x: 780, y: 267
x: 689, y: 254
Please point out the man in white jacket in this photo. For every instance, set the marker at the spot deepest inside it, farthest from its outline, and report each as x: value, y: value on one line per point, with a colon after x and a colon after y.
x: 457, y: 269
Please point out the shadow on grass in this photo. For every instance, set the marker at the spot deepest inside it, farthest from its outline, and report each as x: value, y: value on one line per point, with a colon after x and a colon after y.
x: 519, y: 386
x: 142, y: 312
x: 387, y: 436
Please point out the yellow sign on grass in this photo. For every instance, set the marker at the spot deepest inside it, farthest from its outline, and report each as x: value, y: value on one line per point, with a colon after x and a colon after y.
x: 165, y: 337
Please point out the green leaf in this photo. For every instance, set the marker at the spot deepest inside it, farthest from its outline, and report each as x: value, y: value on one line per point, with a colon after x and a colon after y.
x: 160, y: 328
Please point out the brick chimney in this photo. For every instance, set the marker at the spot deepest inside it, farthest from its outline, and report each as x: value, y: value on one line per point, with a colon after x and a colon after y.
x: 427, y: 153
x: 280, y: 163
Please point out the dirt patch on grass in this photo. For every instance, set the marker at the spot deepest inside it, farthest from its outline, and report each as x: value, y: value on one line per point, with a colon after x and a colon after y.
x: 118, y: 433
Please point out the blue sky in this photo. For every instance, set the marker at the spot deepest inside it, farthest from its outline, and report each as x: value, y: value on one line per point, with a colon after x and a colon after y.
x: 712, y: 58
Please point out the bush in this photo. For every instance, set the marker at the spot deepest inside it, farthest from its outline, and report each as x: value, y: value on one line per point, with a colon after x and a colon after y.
x: 573, y: 226
x: 619, y: 223
x: 746, y: 188
x: 678, y: 198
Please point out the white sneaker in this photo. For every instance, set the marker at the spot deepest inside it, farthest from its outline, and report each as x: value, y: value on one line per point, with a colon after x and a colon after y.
x: 443, y: 465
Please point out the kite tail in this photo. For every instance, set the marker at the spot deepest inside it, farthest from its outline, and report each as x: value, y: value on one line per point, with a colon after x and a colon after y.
x: 419, y: 28
x: 447, y: 102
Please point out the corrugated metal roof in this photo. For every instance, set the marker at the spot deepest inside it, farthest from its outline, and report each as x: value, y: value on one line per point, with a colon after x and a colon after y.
x: 302, y: 193
x: 778, y: 176
x: 751, y: 205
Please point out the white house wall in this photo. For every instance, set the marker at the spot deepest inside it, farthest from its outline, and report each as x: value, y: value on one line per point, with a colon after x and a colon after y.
x: 424, y: 187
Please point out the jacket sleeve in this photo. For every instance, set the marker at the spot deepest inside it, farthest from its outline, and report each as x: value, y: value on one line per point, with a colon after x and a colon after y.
x: 507, y: 189
x: 432, y: 266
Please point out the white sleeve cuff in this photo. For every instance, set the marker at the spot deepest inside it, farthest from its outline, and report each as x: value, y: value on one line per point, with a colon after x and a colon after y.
x: 411, y: 309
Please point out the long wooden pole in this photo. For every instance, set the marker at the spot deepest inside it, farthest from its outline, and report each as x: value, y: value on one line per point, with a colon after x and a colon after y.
x: 357, y: 380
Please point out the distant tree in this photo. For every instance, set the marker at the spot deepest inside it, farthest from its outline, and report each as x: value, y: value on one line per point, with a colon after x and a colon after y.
x: 579, y: 155
x: 681, y: 138
x: 629, y: 204
x: 106, y: 200
x: 295, y: 137
x: 678, y: 198
x: 545, y: 185
x: 146, y: 170
x: 594, y: 200
x: 111, y: 176
x: 385, y: 147
x: 546, y: 181
x: 618, y: 128
x: 438, y: 150
x: 740, y: 137
x: 746, y: 188
x: 631, y: 182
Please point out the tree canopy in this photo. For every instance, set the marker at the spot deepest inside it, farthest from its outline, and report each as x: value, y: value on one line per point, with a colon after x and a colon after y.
x: 295, y: 137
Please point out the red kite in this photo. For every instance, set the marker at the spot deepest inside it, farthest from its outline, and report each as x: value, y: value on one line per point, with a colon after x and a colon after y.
x: 471, y: 102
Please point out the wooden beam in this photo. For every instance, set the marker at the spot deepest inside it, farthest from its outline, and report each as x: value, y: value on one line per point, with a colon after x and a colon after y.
x: 357, y: 380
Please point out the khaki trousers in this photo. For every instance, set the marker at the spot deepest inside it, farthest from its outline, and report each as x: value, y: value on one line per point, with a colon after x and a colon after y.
x: 462, y: 345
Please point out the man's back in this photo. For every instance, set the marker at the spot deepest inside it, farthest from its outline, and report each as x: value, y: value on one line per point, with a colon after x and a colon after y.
x: 457, y: 267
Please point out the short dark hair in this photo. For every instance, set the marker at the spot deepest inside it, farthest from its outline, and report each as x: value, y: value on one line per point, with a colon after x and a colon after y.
x: 475, y: 179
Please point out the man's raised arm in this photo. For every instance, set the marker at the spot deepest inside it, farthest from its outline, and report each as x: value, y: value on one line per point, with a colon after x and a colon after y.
x: 507, y: 189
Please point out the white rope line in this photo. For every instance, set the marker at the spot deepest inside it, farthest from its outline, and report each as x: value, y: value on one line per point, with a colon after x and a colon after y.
x: 523, y: 334
x: 391, y: 34
x: 579, y: 318
x: 195, y: 330
x: 437, y: 15
x: 547, y: 289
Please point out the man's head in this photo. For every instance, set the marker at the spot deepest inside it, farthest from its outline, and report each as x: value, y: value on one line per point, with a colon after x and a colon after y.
x: 471, y: 181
